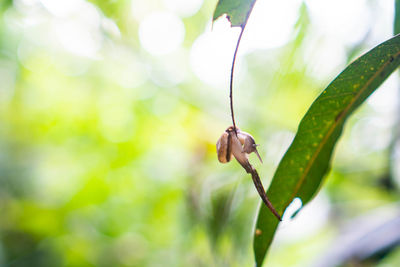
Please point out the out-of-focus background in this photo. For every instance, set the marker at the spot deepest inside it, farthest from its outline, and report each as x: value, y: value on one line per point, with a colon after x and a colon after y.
x: 109, y: 115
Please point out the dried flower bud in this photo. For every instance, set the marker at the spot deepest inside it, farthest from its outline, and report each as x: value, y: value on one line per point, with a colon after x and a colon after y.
x: 224, y: 148
x: 248, y: 142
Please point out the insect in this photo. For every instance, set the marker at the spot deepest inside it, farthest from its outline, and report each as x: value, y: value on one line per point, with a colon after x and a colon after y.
x: 240, y: 145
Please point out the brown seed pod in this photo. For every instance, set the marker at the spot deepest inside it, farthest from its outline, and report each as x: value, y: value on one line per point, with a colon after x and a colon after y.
x: 237, y: 151
x: 229, y: 144
x: 240, y: 144
x: 224, y: 147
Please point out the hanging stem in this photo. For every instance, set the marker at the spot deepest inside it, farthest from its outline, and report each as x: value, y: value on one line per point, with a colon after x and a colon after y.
x: 261, y: 192
x: 246, y: 165
x: 231, y: 81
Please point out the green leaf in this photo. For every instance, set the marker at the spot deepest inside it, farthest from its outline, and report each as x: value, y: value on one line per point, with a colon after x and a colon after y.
x: 237, y: 11
x: 396, y: 26
x: 307, y: 160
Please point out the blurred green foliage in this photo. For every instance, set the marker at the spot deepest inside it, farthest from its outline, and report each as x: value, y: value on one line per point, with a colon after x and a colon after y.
x: 108, y: 144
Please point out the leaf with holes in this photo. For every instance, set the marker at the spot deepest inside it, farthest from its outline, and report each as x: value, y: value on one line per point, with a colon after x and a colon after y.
x: 237, y: 11
x: 307, y: 160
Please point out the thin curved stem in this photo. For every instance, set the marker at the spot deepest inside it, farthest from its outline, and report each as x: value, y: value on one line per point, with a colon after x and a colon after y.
x: 231, y: 81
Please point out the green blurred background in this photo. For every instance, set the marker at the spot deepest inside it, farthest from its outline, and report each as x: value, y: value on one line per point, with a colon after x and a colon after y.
x: 109, y: 115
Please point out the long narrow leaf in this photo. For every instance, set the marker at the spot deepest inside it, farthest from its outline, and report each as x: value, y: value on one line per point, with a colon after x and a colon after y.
x: 307, y: 160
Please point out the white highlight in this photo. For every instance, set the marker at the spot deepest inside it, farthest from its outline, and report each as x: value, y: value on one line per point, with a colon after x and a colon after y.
x: 161, y: 33
x: 212, y: 52
x: 270, y: 24
x: 345, y: 21
x: 184, y: 8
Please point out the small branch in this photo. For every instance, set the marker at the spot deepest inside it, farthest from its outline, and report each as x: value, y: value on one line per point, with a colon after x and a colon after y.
x: 260, y: 188
x: 263, y: 195
x: 242, y: 158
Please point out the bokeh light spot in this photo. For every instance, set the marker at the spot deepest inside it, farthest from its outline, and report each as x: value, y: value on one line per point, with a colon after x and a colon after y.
x: 345, y: 21
x: 184, y: 8
x: 212, y: 52
x: 161, y: 33
x: 270, y: 24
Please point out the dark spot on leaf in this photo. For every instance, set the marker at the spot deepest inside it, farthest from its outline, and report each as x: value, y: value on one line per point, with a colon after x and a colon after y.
x: 391, y: 59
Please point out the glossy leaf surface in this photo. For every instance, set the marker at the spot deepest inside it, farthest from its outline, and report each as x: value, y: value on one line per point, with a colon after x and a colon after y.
x: 301, y: 170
